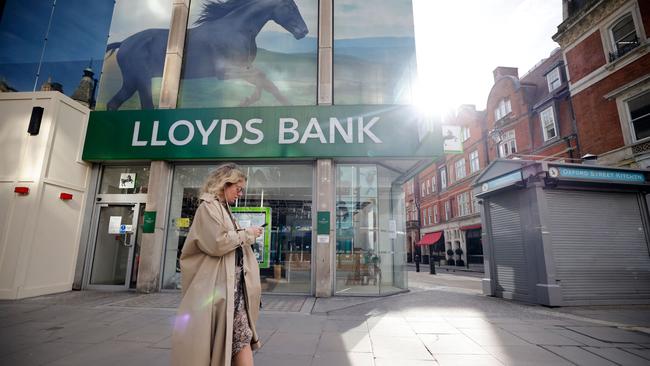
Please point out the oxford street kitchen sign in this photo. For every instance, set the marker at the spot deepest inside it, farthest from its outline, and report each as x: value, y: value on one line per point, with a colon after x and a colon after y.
x: 260, y: 133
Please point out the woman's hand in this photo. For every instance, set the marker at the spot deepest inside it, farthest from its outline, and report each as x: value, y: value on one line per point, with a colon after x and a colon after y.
x: 255, y: 230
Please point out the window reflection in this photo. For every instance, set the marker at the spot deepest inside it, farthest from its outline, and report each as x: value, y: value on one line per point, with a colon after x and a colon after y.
x: 41, y: 43
x: 367, y: 36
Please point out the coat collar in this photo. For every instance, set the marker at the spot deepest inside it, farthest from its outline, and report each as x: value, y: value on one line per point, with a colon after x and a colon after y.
x: 208, y: 197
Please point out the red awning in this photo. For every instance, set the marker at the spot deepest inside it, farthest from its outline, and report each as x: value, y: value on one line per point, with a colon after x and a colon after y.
x: 470, y: 227
x: 430, y: 238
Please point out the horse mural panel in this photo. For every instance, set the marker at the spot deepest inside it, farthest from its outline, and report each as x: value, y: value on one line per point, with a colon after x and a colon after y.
x: 221, y: 45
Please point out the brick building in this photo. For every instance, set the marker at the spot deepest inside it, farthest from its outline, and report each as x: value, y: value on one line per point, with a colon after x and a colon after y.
x: 447, y: 210
x: 531, y: 117
x: 605, y: 47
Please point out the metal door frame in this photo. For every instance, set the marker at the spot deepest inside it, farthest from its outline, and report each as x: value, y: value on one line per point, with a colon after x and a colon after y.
x: 105, y: 200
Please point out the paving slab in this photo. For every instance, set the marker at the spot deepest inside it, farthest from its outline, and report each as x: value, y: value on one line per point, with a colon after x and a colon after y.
x: 113, y: 353
x: 272, y: 359
x: 613, y: 335
x: 392, y: 362
x: 342, y: 359
x: 493, y: 337
x: 41, y: 354
x: 400, y: 348
x: 619, y: 356
x: 346, y: 326
x: 467, y: 360
x: 291, y: 344
x: 344, y: 342
x: 456, y: 344
x: 546, y: 338
x: 579, y: 356
x: 525, y: 355
x: 586, y: 340
x: 440, y: 327
x: 643, y: 352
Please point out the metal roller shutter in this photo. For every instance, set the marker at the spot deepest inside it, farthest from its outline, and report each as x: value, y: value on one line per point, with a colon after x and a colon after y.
x: 507, y: 240
x: 599, y: 245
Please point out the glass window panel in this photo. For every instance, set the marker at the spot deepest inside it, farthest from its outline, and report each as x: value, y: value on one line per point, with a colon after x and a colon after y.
x: 367, y: 37
x: 369, y: 260
x: 474, y: 162
x: 263, y: 53
x: 285, y: 189
x: 114, y: 177
x: 553, y: 79
x: 640, y: 115
x: 548, y: 123
x: 135, y: 55
x: 75, y: 40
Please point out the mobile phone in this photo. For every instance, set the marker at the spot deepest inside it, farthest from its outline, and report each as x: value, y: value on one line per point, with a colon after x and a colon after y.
x: 264, y: 224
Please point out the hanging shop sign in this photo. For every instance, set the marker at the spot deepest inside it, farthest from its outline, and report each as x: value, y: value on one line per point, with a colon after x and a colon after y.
x: 261, y: 132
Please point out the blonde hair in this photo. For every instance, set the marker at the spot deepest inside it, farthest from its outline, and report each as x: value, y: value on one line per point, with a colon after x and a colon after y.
x: 224, y: 176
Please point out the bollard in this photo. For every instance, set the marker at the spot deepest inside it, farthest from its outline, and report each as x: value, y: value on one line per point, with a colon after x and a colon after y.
x: 432, y: 262
x: 417, y: 263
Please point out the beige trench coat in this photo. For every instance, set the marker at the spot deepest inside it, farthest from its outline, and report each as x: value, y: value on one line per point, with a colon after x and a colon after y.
x: 202, y: 332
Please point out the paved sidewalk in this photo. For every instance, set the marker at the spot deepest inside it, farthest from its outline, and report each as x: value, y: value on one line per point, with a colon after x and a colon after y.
x: 443, y: 321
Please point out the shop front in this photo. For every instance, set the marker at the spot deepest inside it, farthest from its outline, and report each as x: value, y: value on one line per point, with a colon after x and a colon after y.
x: 341, y: 167
x: 565, y: 234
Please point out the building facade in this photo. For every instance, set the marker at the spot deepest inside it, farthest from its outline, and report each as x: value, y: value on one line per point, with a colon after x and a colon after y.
x: 605, y: 48
x: 308, y: 108
x: 525, y: 118
x: 531, y: 117
x: 448, y: 214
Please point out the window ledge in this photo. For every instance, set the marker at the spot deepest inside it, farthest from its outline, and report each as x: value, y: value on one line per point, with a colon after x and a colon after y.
x: 634, y: 53
x: 551, y: 141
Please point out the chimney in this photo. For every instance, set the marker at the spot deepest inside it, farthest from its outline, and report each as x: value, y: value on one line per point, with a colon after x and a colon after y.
x: 502, y: 71
x: 467, y: 107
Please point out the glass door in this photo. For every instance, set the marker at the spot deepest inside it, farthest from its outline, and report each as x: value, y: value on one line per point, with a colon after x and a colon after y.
x: 370, y: 242
x: 114, y: 258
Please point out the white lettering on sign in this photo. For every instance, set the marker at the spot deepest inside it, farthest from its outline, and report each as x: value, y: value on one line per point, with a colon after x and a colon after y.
x: 289, y: 131
x: 154, y: 136
x: 335, y: 125
x: 206, y: 133
x: 183, y: 132
x: 365, y: 130
x: 136, y: 132
x: 187, y: 139
x: 317, y: 133
x: 224, y: 140
x: 251, y: 129
x: 284, y: 129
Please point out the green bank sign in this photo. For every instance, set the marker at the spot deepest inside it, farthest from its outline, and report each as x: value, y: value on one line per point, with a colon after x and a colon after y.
x: 261, y: 132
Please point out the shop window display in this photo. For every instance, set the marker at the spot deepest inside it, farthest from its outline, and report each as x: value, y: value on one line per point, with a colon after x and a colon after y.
x: 284, y: 191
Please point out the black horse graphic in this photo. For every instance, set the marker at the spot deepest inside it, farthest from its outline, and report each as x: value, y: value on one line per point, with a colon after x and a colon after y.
x: 222, y: 45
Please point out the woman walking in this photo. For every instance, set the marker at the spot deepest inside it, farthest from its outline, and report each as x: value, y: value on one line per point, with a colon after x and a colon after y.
x: 215, y: 323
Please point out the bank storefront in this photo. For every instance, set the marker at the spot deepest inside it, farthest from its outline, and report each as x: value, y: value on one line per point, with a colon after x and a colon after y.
x: 326, y: 179
x: 309, y: 97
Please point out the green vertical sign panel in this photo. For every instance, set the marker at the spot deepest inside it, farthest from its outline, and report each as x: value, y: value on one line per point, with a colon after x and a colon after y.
x: 149, y: 222
x: 323, y: 224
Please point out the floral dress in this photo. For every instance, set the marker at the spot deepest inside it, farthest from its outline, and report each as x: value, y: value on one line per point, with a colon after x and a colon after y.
x: 241, y: 330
